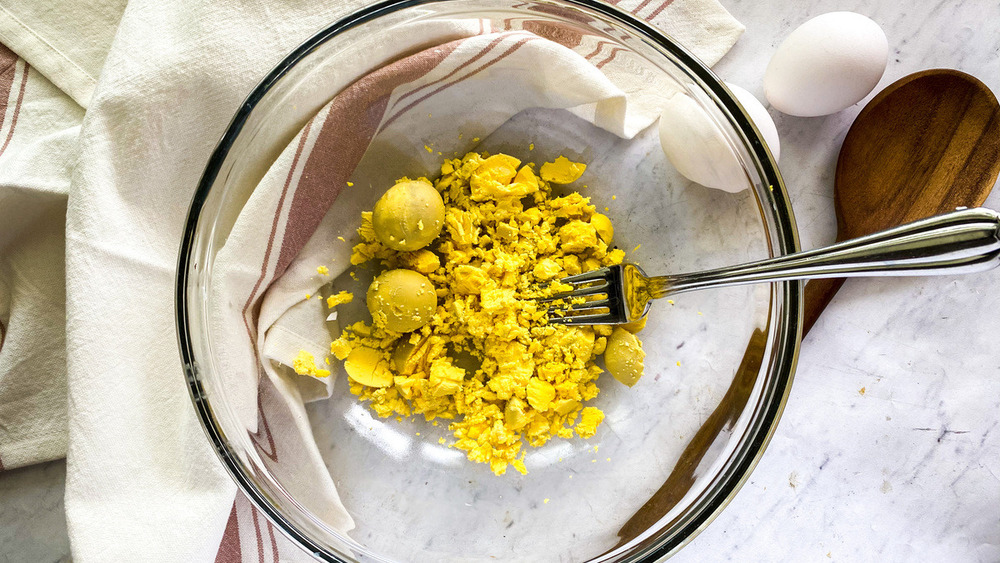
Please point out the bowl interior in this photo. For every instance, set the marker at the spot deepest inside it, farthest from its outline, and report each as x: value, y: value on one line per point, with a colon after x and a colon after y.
x: 671, y: 450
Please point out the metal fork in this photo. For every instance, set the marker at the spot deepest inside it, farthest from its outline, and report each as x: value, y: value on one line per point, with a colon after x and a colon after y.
x: 959, y: 242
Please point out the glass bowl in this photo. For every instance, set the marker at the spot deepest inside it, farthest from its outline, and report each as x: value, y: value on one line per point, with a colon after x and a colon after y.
x: 672, y: 450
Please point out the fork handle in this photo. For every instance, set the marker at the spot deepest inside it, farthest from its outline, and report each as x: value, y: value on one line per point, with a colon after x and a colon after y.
x: 959, y: 242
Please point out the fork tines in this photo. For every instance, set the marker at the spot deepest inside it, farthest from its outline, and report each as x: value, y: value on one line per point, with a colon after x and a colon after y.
x: 593, y: 299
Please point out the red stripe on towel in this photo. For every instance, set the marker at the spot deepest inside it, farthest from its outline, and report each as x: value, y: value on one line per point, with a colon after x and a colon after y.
x: 610, y: 58
x: 263, y: 428
x: 458, y: 69
x: 8, y: 59
x: 274, y: 541
x: 600, y: 45
x: 17, y: 105
x: 260, y: 542
x: 502, y: 56
x: 641, y: 5
x: 274, y: 229
x: 657, y: 11
x: 563, y: 34
x: 229, y: 549
x: 344, y: 137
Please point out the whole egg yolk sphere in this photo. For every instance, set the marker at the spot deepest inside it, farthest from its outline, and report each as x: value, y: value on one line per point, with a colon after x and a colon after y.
x: 402, y: 300
x: 409, y: 216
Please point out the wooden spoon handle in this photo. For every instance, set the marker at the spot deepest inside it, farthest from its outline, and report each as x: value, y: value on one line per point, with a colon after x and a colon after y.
x: 818, y: 294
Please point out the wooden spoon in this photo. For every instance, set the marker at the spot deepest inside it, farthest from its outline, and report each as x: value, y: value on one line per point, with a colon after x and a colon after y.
x: 928, y: 143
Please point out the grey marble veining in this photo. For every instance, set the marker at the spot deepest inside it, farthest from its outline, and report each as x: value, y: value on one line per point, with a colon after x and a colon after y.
x: 889, y: 448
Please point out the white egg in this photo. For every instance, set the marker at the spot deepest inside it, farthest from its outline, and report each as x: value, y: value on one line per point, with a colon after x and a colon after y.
x: 760, y: 118
x: 696, y: 147
x: 827, y: 64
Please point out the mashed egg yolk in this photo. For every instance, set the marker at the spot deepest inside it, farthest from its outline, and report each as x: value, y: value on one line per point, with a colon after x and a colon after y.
x: 487, y: 359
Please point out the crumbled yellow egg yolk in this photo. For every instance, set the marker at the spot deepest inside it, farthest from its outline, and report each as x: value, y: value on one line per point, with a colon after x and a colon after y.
x: 305, y: 364
x: 488, y: 360
x: 339, y: 299
x: 562, y: 171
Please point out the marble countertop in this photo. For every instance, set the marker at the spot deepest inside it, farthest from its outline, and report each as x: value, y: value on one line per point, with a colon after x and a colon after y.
x: 889, y: 448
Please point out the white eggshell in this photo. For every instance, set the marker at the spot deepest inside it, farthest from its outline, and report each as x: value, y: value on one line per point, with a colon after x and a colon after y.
x: 827, y: 64
x: 759, y: 116
x: 696, y: 146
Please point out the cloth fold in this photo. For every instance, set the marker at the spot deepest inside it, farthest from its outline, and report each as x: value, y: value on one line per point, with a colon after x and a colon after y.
x: 47, y: 34
x: 142, y: 480
x: 38, y: 130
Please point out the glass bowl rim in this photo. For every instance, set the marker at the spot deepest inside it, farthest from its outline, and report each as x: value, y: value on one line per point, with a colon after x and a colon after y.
x: 787, y: 333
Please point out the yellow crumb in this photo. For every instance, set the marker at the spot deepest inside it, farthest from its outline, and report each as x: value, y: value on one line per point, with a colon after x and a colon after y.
x: 614, y: 197
x: 341, y: 239
x: 338, y: 299
x: 637, y: 247
x: 671, y: 301
x: 322, y: 270
x: 861, y: 391
x: 305, y: 364
x: 349, y: 184
x: 562, y: 171
x: 589, y: 419
x: 309, y: 296
x: 428, y: 149
x: 546, y: 501
x: 678, y: 363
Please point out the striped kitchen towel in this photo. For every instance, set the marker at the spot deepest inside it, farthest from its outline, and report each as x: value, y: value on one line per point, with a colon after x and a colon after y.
x: 38, y: 129
x: 143, y: 482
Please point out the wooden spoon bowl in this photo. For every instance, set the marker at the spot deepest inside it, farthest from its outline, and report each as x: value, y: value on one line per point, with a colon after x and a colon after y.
x: 928, y: 143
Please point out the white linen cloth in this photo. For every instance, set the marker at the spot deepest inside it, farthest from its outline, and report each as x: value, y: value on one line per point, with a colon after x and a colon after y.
x: 66, y: 41
x: 38, y: 130
x: 142, y: 482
